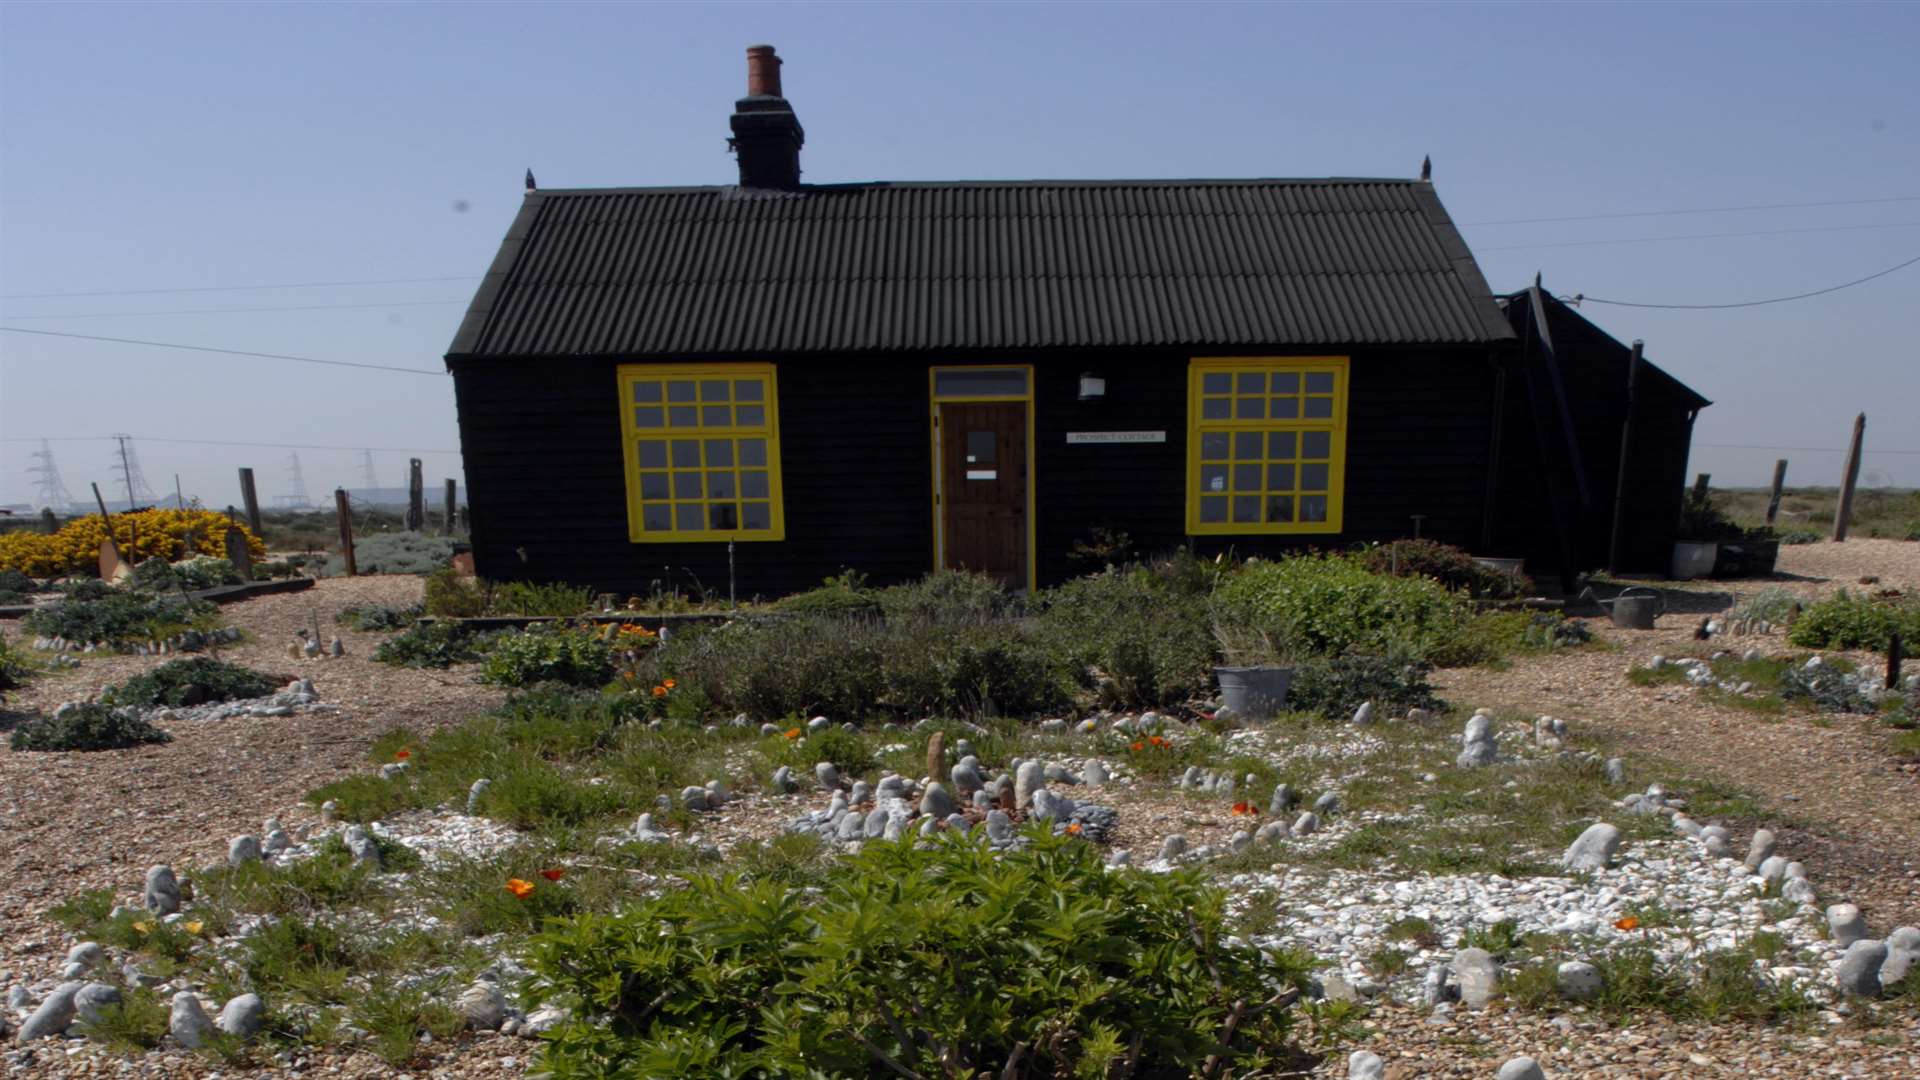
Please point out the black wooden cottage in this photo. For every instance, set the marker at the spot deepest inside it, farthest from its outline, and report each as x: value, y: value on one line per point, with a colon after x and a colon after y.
x: 779, y: 380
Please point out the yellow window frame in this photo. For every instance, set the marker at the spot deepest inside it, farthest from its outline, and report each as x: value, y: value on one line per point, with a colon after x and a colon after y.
x: 1235, y: 426
x: 630, y: 375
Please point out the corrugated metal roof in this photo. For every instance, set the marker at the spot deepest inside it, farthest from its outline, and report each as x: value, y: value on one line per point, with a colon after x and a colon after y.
x: 898, y: 267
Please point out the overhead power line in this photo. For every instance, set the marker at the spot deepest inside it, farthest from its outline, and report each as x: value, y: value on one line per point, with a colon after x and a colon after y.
x: 1698, y: 210
x: 239, y: 310
x: 237, y: 288
x: 1580, y: 298
x: 1705, y: 236
x: 227, y: 442
x: 1803, y: 449
x: 226, y: 352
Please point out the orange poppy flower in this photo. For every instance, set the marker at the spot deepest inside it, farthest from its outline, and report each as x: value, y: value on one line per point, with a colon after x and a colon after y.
x: 1137, y: 747
x: 553, y: 875
x: 1157, y: 741
x: 1631, y: 922
x: 659, y: 691
x: 1245, y: 808
x: 1073, y: 829
x: 792, y: 733
x: 402, y: 755
x: 520, y: 889
x: 669, y: 684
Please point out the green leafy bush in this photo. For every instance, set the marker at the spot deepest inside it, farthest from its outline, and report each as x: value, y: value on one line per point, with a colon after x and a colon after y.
x: 372, y: 617
x: 191, y: 682
x: 88, y: 726
x: 391, y: 553
x: 1801, y: 534
x: 1331, y: 604
x: 433, y: 645
x: 844, y: 595
x: 947, y: 596
x: 15, y: 586
x: 1772, y: 605
x: 450, y: 594
x: 993, y: 667
x: 1138, y: 638
x: 773, y: 669
x: 942, y: 961
x: 551, y: 652
x: 1845, y: 621
x: 1335, y: 687
x: 14, y: 666
x: 200, y: 572
x: 119, y: 617
x: 1449, y: 565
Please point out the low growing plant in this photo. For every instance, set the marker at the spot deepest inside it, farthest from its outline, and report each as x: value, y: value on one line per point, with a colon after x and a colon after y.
x: 1846, y: 621
x: 1333, y: 605
x: 433, y: 645
x: 87, y: 726
x: 1336, y: 687
x: 373, y: 617
x: 552, y: 652
x: 117, y: 616
x: 192, y: 681
x: 1449, y: 565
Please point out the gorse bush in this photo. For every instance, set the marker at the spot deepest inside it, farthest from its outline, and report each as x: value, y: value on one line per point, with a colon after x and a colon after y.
x: 1139, y: 639
x: 191, y: 682
x: 119, y: 617
x: 939, y: 961
x: 1331, y: 604
x: 146, y: 534
x: 1449, y: 565
x: 552, y: 652
x: 88, y: 726
x: 1846, y: 621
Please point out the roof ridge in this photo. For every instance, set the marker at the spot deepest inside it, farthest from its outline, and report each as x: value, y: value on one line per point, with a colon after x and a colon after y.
x: 935, y: 185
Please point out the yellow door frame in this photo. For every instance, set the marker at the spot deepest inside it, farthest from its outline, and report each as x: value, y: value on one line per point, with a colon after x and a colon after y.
x: 934, y: 401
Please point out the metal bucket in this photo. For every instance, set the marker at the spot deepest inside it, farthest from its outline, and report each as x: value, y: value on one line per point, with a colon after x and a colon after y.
x: 1693, y: 560
x: 1254, y: 692
x: 1635, y: 612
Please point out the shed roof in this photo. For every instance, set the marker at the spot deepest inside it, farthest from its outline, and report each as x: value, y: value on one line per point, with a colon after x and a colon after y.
x: 1566, y: 323
x: 1030, y: 264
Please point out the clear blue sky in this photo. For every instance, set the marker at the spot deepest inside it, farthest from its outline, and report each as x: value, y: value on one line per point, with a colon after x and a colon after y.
x: 150, y: 147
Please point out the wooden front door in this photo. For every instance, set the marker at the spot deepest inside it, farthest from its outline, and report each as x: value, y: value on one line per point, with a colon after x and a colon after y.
x: 983, y: 485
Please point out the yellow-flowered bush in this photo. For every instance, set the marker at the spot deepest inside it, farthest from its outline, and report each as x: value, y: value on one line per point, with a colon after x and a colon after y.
x: 166, y: 534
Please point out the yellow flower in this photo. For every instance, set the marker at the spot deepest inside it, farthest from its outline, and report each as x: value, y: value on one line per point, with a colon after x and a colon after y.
x: 144, y: 926
x: 195, y: 926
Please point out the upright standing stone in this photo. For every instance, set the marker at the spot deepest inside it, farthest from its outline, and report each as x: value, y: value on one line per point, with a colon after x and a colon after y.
x: 237, y: 553
x: 827, y: 775
x: 999, y: 827
x: 966, y: 777
x: 1616, y: 771
x: 1030, y: 777
x: 1306, y: 824
x: 1593, y: 850
x: 242, y: 849
x: 1363, y: 715
x: 243, y: 1016
x: 1478, y: 747
x: 162, y: 896
x: 936, y: 755
x: 1173, y: 847
x: 1903, y: 955
x: 1095, y: 773
x: 54, y: 1016
x: 90, y: 999
x: 936, y: 803
x: 1478, y: 974
x: 783, y: 781
x: 1578, y: 980
x: 1521, y: 1068
x: 1846, y: 923
x: 477, y: 794
x: 361, y: 845
x: 1860, y: 965
x: 1283, y: 799
x: 188, y: 1023
x: 1761, y: 849
x: 1362, y: 1065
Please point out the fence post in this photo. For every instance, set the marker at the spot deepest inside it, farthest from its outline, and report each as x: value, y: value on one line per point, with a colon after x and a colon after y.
x: 345, y: 510
x: 416, y: 497
x: 250, y: 500
x: 1700, y: 486
x: 452, y: 497
x: 1844, y: 511
x: 1773, y: 498
x: 1896, y: 652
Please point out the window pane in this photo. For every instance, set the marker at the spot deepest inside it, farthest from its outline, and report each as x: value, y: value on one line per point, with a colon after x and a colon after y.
x: 1319, y: 382
x: 980, y: 382
x: 1316, y: 444
x: 753, y: 451
x: 1250, y: 408
x: 748, y: 390
x: 1313, y: 508
x: 686, y: 454
x: 1216, y: 382
x: 653, y: 485
x: 751, y: 415
x: 1215, y: 408
x: 1252, y: 382
x: 1280, y: 478
x: 982, y: 448
x: 716, y: 416
x: 757, y: 515
x: 644, y: 392
x: 653, y: 455
x: 1286, y: 382
x: 1246, y: 508
x: 1246, y: 445
x: 1286, y: 408
x: 689, y: 516
x: 713, y: 390
x: 1246, y: 478
x: 1319, y: 408
x: 1313, y: 478
x: 681, y: 415
x: 1214, y: 445
x: 680, y: 390
x: 686, y: 485
x: 1279, y: 508
x: 1213, y: 478
x: 753, y: 485
x: 648, y: 416
x: 723, y: 516
x: 720, y: 485
x: 1213, y: 509
x: 657, y: 518
x: 1280, y: 445
x: 719, y: 453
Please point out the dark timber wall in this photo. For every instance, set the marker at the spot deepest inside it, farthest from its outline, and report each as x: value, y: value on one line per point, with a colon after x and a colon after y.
x: 546, y: 479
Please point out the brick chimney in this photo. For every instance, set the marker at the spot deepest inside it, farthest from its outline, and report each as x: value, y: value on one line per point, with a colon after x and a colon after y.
x: 766, y: 134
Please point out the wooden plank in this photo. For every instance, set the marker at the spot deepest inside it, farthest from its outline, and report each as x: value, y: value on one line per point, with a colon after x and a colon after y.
x: 251, y: 501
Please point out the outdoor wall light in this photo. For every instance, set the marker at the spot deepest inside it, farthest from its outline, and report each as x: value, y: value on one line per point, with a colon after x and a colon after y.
x: 1092, y: 387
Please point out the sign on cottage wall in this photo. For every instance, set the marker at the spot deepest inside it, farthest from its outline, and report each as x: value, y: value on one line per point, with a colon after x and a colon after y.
x: 1076, y: 438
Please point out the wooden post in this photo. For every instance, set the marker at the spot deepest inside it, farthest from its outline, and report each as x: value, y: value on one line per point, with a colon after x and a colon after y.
x: 1773, y: 498
x: 345, y: 510
x: 251, y: 501
x: 107, y: 520
x: 453, y: 495
x: 416, y: 497
x: 1700, y: 486
x: 1896, y: 653
x: 48, y: 523
x: 1852, y: 477
x: 1626, y: 455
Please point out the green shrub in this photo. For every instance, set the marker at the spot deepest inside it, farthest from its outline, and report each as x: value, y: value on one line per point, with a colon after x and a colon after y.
x: 1449, y: 565
x: 1331, y: 604
x: 199, y: 572
x: 947, y: 960
x: 119, y: 617
x: 790, y: 668
x: 452, y: 595
x: 993, y: 667
x: 1772, y: 604
x: 530, y: 598
x: 1138, y: 638
x: 15, y: 586
x: 1911, y: 532
x: 391, y: 553
x: 1825, y: 688
x: 1801, y: 534
x: 15, y: 668
x: 844, y: 595
x: 1337, y: 686
x: 1845, y: 621
x: 947, y: 596
x: 191, y: 682
x: 372, y: 617
x: 89, y: 726
x: 551, y: 652
x: 433, y: 645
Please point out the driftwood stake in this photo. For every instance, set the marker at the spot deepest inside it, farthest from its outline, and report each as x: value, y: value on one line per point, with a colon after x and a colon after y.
x: 1852, y: 477
x: 416, y: 497
x: 936, y: 754
x: 344, y: 509
x: 1773, y: 498
x: 1896, y: 653
x: 250, y: 500
x: 452, y: 498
